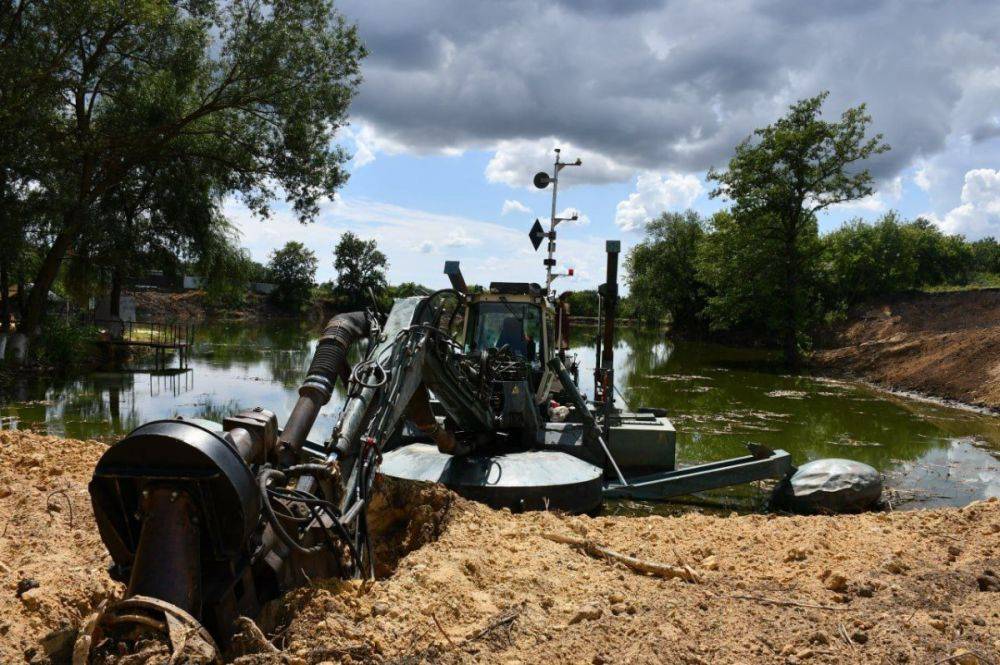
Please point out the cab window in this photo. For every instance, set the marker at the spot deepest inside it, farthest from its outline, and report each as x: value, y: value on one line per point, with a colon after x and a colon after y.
x: 515, y: 325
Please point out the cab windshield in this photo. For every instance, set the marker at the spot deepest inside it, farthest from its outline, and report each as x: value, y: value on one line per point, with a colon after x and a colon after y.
x: 515, y: 325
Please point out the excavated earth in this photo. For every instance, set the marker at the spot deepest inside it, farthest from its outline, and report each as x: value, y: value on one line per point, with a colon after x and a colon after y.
x: 943, y: 345
x: 462, y: 583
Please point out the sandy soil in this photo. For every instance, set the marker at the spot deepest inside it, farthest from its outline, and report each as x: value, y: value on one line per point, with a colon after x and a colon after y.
x: 909, y: 587
x: 939, y: 344
x: 47, y: 538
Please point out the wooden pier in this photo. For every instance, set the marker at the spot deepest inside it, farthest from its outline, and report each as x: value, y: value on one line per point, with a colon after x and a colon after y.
x: 165, y: 339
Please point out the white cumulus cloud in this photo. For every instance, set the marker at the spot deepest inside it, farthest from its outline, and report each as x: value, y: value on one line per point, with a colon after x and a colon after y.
x: 367, y: 142
x: 512, y: 205
x: 923, y: 177
x: 978, y: 215
x: 581, y: 218
x: 655, y: 193
x: 515, y: 162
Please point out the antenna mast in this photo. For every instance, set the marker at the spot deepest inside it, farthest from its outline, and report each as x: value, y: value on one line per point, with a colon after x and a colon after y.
x: 542, y: 180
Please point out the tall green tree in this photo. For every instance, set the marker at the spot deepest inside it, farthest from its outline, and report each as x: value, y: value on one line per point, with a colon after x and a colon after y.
x: 661, y: 272
x: 293, y: 270
x: 28, y: 101
x: 360, y: 268
x: 780, y: 178
x: 249, y: 92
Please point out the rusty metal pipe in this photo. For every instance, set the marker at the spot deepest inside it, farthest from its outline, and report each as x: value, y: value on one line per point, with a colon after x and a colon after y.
x: 419, y: 412
x: 167, y: 561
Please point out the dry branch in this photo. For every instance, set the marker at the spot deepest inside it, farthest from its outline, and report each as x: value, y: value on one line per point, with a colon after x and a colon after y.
x: 686, y: 573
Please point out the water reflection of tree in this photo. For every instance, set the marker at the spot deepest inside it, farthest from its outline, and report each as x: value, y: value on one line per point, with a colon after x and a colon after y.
x: 96, y: 406
x: 282, y: 349
x: 289, y: 366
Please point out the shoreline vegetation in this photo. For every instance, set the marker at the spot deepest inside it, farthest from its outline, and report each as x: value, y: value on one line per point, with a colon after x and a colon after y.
x: 937, y: 345
x: 757, y: 273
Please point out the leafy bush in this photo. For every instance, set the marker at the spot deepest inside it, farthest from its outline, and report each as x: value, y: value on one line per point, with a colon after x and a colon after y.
x: 890, y: 256
x: 863, y: 260
x: 986, y: 256
x: 64, y: 343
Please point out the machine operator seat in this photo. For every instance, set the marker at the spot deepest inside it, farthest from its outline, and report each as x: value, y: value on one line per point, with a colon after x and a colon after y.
x: 512, y: 334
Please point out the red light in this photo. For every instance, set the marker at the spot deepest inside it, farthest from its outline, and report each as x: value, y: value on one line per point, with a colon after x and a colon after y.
x: 570, y: 272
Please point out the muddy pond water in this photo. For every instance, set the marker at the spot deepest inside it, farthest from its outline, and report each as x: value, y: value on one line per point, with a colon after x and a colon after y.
x: 718, y: 399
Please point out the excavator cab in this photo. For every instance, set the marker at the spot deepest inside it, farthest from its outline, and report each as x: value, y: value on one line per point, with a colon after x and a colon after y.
x: 501, y: 323
x: 511, y: 318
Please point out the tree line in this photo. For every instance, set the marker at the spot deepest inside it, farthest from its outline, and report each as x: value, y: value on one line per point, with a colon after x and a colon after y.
x: 125, y: 125
x: 361, y: 280
x: 759, y: 271
x: 361, y: 275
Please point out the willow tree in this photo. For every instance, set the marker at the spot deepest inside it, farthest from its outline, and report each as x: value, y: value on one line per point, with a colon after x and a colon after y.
x: 250, y: 92
x: 778, y: 181
x: 162, y: 215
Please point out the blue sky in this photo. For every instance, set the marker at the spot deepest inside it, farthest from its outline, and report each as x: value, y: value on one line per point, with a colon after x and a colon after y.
x: 463, y: 102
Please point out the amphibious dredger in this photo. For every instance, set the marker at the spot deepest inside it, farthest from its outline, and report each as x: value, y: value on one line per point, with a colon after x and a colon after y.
x: 206, y: 522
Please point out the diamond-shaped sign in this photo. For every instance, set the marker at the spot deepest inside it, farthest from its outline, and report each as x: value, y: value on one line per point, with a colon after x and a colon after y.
x: 537, y: 234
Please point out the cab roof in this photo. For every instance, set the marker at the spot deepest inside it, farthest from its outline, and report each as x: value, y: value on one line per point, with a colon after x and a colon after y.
x: 516, y: 288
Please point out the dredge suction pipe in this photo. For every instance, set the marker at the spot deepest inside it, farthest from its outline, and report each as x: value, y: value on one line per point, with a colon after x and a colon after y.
x: 328, y: 363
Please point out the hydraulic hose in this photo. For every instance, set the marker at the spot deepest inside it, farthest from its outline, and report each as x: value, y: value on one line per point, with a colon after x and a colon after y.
x: 329, y: 362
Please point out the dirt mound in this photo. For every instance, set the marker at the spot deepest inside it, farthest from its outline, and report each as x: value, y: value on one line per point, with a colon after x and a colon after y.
x: 940, y: 344
x: 193, y: 306
x: 157, y: 306
x: 53, y: 565
x: 894, y: 587
x: 487, y: 586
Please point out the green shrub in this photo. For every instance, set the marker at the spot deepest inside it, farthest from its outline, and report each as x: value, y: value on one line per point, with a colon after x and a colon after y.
x: 64, y: 344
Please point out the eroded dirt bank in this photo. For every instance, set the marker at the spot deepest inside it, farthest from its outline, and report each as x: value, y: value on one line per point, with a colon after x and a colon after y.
x: 943, y: 345
x: 913, y: 587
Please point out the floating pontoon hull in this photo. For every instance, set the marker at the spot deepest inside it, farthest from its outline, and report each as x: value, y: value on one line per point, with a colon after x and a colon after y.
x: 528, y: 480
x: 560, y: 476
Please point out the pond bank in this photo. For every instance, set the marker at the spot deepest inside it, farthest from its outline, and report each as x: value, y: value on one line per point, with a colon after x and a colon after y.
x: 192, y: 306
x: 882, y: 587
x: 942, y: 345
